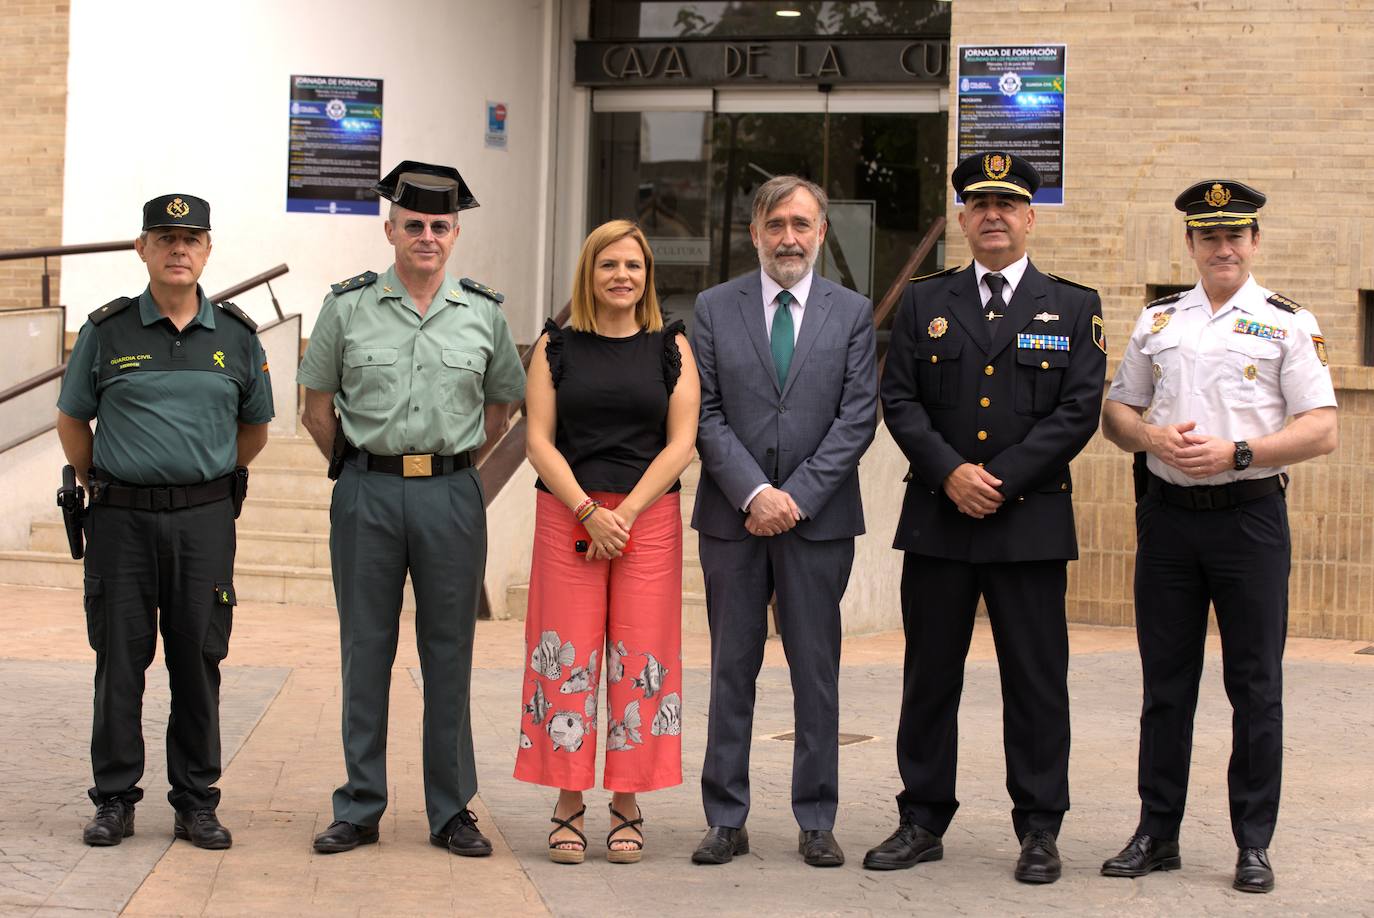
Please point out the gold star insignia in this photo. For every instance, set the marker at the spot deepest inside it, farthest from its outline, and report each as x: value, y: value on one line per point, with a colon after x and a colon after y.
x: 386, y: 289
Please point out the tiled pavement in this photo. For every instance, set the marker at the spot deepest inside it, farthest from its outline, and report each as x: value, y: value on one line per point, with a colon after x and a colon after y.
x: 280, y: 706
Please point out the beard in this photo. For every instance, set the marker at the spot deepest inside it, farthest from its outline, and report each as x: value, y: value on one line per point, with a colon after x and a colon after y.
x: 788, y: 272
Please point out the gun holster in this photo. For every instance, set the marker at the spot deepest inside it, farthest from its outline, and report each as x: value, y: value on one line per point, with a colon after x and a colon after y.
x: 1140, y: 475
x: 72, y: 499
x: 240, y: 491
x: 337, y: 452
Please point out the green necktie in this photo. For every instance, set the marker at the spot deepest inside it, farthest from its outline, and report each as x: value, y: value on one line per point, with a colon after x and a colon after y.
x: 780, y: 338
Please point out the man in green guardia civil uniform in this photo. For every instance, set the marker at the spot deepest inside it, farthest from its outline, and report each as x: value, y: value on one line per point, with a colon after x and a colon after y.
x: 419, y: 367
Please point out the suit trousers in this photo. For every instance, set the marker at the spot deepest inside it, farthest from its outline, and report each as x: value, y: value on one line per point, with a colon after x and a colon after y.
x: 1025, y: 601
x: 1237, y: 559
x: 382, y: 526
x: 809, y: 579
x: 139, y: 563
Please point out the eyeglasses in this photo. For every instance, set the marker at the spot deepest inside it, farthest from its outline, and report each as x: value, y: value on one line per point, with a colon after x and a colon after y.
x: 416, y: 228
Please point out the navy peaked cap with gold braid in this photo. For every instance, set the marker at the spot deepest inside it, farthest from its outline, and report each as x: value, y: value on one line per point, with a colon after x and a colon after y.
x: 995, y: 172
x: 1220, y: 202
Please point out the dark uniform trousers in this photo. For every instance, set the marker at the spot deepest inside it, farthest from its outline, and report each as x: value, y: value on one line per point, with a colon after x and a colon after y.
x: 382, y: 526
x: 139, y: 563
x: 1025, y: 601
x: 1237, y: 559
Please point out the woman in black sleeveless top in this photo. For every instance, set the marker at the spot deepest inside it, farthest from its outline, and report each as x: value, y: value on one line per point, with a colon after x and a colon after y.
x: 612, y: 403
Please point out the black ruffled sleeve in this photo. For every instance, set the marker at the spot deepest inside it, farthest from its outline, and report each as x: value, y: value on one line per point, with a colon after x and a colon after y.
x: 672, y: 355
x: 554, y: 351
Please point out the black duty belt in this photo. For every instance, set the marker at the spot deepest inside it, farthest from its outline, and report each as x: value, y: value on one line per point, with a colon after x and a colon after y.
x: 414, y: 465
x: 106, y: 493
x: 1216, y: 497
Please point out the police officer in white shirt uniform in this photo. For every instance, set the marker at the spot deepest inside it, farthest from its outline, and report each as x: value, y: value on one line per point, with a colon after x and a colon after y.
x: 1222, y: 387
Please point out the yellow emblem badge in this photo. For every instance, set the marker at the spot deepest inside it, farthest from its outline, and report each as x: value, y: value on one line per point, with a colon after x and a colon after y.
x: 178, y: 208
x: 1251, y: 371
x: 1217, y: 196
x: 1319, y: 343
x: 218, y: 358
x: 1161, y: 319
x: 996, y: 166
x: 937, y: 327
x: 1159, y: 372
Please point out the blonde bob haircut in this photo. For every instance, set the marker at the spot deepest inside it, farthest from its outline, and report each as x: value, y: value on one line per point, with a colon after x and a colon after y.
x: 647, y: 313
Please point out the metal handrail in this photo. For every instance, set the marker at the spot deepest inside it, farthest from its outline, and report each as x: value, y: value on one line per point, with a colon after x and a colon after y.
x: 33, y: 382
x: 56, y: 251
x: 263, y: 278
x: 918, y: 255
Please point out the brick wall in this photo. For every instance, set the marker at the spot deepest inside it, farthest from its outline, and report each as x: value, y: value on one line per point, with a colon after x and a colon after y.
x: 1161, y: 93
x: 33, y: 110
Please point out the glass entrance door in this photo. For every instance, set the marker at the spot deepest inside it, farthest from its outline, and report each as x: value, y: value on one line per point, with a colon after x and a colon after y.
x: 689, y: 177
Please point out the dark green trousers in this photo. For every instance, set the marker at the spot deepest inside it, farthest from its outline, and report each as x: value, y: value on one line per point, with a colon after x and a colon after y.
x: 382, y: 526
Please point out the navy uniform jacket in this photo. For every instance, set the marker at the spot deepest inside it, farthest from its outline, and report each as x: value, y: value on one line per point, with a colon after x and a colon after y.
x: 953, y: 395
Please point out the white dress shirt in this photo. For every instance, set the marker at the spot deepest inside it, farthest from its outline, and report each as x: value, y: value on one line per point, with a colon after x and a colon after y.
x: 1239, y: 372
x: 1012, y: 272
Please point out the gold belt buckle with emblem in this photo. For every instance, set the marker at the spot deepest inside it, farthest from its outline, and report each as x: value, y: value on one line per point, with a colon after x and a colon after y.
x: 420, y: 465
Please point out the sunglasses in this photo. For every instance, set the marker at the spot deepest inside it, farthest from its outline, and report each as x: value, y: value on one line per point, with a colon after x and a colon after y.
x: 416, y: 228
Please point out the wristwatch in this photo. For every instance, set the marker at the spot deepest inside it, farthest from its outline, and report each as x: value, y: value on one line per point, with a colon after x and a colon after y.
x: 1243, y: 456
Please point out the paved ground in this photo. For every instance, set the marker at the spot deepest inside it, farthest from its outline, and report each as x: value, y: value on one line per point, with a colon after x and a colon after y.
x: 281, y: 709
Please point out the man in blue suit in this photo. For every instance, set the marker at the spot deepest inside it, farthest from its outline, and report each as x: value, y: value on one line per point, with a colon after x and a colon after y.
x: 788, y: 405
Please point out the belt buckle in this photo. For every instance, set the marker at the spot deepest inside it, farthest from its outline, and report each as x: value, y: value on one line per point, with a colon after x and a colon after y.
x: 1202, y: 500
x: 420, y: 465
x: 160, y: 499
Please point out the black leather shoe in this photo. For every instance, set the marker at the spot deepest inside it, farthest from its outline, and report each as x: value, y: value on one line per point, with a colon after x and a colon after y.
x: 202, y: 829
x: 344, y: 836
x: 461, y: 836
x: 908, y: 846
x: 1253, y: 873
x: 819, y: 848
x: 113, y: 822
x: 1142, y: 854
x: 1039, y: 860
x: 721, y: 844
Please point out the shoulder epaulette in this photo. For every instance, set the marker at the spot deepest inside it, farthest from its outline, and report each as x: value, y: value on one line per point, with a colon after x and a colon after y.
x: 1065, y: 280
x: 482, y: 289
x: 238, y: 314
x: 920, y: 277
x: 1166, y: 300
x: 118, y: 304
x: 354, y: 283
x: 1283, y: 302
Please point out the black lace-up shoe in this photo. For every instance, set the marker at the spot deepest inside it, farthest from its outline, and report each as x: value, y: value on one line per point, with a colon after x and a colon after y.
x: 460, y: 835
x: 1253, y: 873
x: 344, y: 836
x: 202, y: 829
x: 1141, y: 855
x: 908, y: 846
x: 113, y: 822
x: 1039, y: 860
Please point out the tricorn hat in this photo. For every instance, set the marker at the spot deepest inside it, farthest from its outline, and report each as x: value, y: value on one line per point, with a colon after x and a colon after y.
x: 426, y: 188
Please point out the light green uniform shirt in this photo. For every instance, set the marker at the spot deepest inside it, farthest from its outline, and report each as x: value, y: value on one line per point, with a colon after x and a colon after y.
x: 406, y: 384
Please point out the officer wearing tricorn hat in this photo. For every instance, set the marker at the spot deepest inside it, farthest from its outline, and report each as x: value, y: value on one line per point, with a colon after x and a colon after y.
x: 993, y: 384
x: 419, y: 366
x: 181, y: 393
x: 1220, y: 368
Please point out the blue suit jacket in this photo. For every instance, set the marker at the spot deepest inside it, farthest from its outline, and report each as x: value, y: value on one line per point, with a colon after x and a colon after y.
x: 804, y: 437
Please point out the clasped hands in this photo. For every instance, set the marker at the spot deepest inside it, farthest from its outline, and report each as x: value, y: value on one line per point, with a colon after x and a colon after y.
x: 974, y: 490
x: 609, y: 531
x: 1193, y: 454
x: 772, y: 512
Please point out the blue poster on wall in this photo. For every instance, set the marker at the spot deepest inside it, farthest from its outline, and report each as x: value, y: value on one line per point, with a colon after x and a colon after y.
x: 335, y: 146
x: 1011, y: 98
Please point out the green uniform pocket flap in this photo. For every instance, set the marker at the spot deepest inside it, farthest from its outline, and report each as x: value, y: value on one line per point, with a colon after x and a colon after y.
x: 462, y: 359
x: 370, y: 356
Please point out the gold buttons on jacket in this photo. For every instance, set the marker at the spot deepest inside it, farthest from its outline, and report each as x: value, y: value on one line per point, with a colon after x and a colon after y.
x: 1044, y: 364
x: 982, y: 435
x: 985, y: 401
x: 1063, y: 486
x: 988, y: 370
x: 934, y: 358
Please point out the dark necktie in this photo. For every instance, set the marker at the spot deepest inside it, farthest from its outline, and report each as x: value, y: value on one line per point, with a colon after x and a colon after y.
x: 997, y: 305
x: 780, y: 339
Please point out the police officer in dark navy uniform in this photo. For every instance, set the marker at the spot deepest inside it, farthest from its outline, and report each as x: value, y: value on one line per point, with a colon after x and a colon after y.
x: 180, y: 390
x: 1221, y: 370
x: 993, y: 384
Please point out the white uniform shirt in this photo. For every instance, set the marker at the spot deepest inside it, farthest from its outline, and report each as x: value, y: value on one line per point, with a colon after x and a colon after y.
x: 800, y: 291
x: 1012, y: 273
x: 1239, y: 373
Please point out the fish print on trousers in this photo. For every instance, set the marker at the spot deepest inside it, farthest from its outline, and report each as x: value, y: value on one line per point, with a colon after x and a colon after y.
x: 615, y: 662
x: 668, y: 720
x: 580, y: 679
x: 589, y: 708
x: 538, y: 706
x: 525, y: 741
x: 650, y: 678
x: 549, y: 657
x: 567, y: 731
x: 621, y: 733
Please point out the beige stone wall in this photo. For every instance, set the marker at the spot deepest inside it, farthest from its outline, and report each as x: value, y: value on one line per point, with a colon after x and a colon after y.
x: 1161, y: 93
x: 33, y: 110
